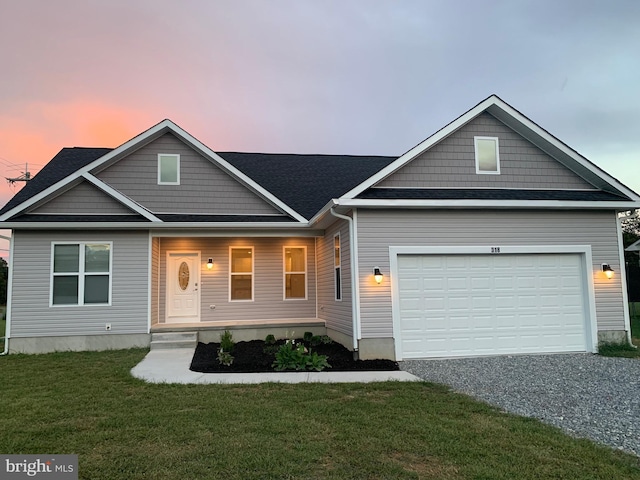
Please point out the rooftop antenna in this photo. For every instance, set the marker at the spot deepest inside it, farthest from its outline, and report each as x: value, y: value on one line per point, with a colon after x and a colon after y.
x: 25, y: 177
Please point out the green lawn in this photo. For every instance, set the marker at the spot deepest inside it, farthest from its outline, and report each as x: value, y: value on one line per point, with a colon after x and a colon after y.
x: 87, y: 403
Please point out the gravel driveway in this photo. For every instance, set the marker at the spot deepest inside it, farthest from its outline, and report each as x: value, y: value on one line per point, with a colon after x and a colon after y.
x: 585, y: 395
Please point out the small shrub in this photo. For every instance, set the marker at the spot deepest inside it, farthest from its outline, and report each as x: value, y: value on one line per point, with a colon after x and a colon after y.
x: 326, y: 339
x: 226, y: 342
x: 317, y: 362
x: 270, y: 340
x: 315, y: 340
x: 225, y: 358
x: 296, y: 357
x: 307, y: 336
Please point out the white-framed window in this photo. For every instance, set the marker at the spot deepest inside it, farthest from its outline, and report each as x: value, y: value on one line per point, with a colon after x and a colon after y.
x: 81, y: 273
x: 295, y: 273
x: 337, y: 265
x: 168, y: 169
x: 487, y: 152
x: 241, y: 274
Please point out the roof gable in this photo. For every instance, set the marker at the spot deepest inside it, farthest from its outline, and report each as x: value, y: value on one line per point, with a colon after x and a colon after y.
x: 451, y: 163
x: 204, y: 187
x: 517, y: 122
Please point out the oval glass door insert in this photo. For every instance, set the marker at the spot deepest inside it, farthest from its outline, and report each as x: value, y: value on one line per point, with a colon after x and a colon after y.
x: 183, y: 276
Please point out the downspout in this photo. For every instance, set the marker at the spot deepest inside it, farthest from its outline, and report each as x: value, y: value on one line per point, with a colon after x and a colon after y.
x: 355, y: 296
x: 7, y: 332
x: 623, y: 280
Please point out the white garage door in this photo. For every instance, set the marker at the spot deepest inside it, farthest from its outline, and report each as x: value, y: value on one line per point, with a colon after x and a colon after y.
x: 466, y: 305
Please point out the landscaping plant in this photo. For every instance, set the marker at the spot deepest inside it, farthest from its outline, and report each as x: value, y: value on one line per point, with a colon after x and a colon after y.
x: 226, y: 347
x: 297, y: 357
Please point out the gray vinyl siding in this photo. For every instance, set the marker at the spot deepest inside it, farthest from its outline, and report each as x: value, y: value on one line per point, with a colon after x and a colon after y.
x: 451, y: 163
x: 33, y: 317
x: 268, y: 302
x: 155, y: 280
x: 380, y: 229
x: 83, y: 198
x: 204, y: 187
x: 336, y: 314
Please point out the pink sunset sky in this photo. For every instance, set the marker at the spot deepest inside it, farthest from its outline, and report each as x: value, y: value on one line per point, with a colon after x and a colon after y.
x: 326, y: 76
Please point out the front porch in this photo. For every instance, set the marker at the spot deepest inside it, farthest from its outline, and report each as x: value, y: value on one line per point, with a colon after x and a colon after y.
x: 243, y: 331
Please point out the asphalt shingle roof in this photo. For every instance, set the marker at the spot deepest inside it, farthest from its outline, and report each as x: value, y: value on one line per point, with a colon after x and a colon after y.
x: 487, y: 194
x: 306, y: 182
x: 67, y: 161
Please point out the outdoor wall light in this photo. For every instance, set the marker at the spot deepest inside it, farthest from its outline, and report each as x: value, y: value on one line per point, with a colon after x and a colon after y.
x: 377, y: 274
x: 608, y: 271
x: 210, y: 263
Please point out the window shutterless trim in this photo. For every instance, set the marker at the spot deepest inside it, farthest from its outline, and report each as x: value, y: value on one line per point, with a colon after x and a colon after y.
x: 81, y: 274
x: 251, y: 273
x: 177, y: 157
x: 293, y: 272
x: 497, y: 153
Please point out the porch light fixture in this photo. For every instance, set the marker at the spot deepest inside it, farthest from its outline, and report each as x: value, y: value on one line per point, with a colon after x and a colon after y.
x: 210, y: 263
x: 608, y: 271
x: 377, y: 274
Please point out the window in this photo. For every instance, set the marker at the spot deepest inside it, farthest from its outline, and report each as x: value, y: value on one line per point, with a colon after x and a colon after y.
x: 487, y: 155
x: 81, y: 274
x: 168, y: 169
x: 337, y: 264
x: 295, y: 273
x: 241, y: 274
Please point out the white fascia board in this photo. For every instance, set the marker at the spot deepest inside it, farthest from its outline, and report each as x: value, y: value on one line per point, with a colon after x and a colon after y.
x: 126, y: 201
x: 529, y: 204
x: 195, y: 143
x: 421, y: 147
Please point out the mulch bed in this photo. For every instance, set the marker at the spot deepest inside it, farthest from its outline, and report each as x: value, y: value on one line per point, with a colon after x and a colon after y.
x: 250, y: 357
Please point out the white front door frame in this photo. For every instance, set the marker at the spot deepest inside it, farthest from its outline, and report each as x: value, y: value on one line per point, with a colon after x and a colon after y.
x: 182, y: 303
x: 584, y: 250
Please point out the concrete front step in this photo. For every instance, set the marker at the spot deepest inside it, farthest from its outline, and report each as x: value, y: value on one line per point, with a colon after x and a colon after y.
x: 172, y: 340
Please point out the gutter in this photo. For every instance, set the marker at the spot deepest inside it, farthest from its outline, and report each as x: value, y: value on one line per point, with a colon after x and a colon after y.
x: 355, y: 300
x: 7, y: 332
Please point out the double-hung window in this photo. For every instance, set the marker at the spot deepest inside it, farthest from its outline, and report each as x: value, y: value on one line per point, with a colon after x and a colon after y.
x: 295, y: 273
x: 241, y: 274
x: 337, y: 265
x: 81, y: 273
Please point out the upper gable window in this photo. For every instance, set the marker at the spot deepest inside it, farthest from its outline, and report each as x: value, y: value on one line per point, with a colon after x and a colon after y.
x: 168, y: 169
x: 487, y: 155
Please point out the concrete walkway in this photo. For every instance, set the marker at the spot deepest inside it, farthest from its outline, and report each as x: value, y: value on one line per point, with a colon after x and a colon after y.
x: 172, y: 366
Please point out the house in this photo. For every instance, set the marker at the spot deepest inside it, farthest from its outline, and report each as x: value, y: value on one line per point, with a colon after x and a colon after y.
x: 489, y: 237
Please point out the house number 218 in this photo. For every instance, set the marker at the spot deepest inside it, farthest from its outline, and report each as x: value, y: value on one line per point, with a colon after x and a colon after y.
x: 495, y: 249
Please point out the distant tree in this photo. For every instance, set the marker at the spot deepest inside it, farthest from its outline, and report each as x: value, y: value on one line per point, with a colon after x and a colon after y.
x: 631, y: 234
x: 4, y: 277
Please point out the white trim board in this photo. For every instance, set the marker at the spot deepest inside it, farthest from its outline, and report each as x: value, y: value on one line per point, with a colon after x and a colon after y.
x: 583, y: 250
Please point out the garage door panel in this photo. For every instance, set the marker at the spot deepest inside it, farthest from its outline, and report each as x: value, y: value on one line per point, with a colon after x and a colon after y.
x: 491, y: 304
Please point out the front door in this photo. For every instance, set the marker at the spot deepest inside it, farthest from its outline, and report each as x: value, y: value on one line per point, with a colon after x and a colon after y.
x: 183, y: 287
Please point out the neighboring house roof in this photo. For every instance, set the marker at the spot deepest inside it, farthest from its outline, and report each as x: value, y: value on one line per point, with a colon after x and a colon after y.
x: 634, y: 247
